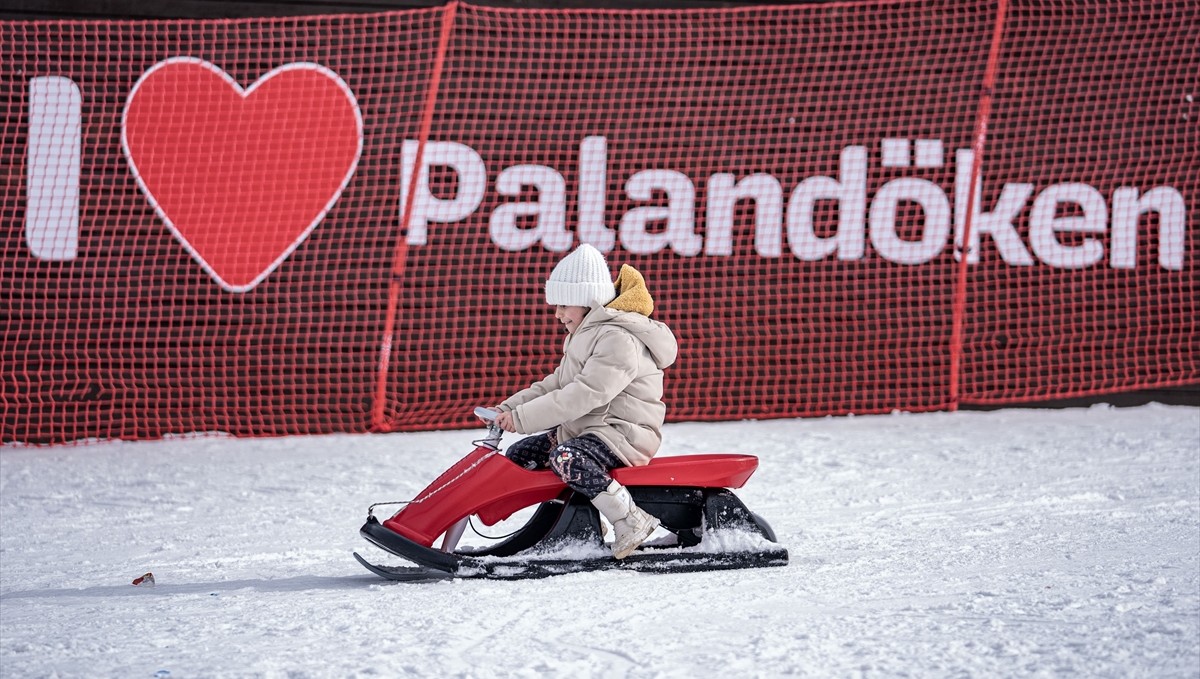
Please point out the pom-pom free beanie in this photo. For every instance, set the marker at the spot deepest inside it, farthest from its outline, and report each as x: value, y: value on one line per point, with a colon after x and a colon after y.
x: 580, y: 278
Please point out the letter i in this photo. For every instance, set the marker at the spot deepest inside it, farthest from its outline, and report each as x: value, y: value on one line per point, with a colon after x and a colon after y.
x: 53, y: 168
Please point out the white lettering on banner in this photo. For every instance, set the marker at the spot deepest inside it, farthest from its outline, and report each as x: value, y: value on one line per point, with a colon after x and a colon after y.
x: 550, y: 210
x: 998, y: 223
x: 1043, y: 224
x: 52, y: 204
x: 1127, y: 208
x: 52, y: 169
x: 724, y: 191
x: 932, y: 200
x: 472, y: 180
x: 593, y: 188
x: 680, y: 214
x: 851, y: 194
x: 860, y: 217
x: 923, y: 192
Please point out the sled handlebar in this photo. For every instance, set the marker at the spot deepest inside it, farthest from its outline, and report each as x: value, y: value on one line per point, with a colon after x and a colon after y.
x: 486, y: 414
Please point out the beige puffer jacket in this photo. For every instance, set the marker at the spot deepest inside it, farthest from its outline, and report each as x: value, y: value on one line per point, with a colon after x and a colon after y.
x: 609, y: 381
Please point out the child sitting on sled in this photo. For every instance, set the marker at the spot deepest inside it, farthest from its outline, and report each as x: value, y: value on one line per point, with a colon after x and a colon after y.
x: 603, y: 405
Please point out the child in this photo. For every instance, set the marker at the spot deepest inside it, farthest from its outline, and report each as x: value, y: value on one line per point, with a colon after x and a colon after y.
x: 603, y: 404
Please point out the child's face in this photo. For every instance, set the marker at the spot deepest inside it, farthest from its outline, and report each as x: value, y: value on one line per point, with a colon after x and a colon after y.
x: 570, y: 316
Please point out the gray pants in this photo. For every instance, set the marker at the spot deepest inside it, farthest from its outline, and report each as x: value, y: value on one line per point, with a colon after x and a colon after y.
x: 582, y: 463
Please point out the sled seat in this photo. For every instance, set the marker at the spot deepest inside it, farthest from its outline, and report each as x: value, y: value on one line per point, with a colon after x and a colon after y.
x: 701, y: 471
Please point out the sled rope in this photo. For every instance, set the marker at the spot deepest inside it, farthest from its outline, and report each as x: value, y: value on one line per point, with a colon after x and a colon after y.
x: 471, y: 522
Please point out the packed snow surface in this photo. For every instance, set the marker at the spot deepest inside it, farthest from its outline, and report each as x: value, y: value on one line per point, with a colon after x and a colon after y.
x: 985, y: 544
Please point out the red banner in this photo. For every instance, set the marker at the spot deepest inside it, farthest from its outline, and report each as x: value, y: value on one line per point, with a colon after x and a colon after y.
x: 289, y: 226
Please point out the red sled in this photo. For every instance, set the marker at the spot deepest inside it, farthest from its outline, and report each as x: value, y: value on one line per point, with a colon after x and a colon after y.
x: 707, y: 526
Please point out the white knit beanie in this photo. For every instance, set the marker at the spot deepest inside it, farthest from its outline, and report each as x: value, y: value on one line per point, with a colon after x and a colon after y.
x: 581, y: 278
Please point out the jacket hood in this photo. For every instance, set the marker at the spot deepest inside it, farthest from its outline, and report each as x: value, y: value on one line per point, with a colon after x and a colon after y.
x: 631, y: 310
x: 632, y: 293
x: 657, y: 337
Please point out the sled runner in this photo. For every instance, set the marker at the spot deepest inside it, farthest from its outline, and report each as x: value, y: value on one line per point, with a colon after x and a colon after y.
x: 710, y: 528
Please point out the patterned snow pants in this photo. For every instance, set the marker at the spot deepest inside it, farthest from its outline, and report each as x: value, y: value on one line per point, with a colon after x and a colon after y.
x: 582, y: 463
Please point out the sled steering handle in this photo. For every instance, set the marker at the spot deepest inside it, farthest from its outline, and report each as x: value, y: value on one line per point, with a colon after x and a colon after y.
x: 487, y: 414
x: 495, y: 433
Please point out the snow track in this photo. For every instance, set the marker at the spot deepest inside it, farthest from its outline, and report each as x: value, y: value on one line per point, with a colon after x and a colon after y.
x: 1006, y: 543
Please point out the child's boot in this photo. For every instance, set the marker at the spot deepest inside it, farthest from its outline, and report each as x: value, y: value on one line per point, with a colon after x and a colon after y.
x: 631, y: 524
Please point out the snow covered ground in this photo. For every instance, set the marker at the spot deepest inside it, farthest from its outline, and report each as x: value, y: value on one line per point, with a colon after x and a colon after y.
x: 984, y: 544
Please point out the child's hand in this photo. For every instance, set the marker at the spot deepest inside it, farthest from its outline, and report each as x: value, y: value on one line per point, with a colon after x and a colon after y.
x: 504, y: 421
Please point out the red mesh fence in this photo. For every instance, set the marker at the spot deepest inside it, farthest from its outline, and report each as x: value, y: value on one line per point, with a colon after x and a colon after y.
x: 208, y: 224
x: 1096, y: 104
x: 129, y: 335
